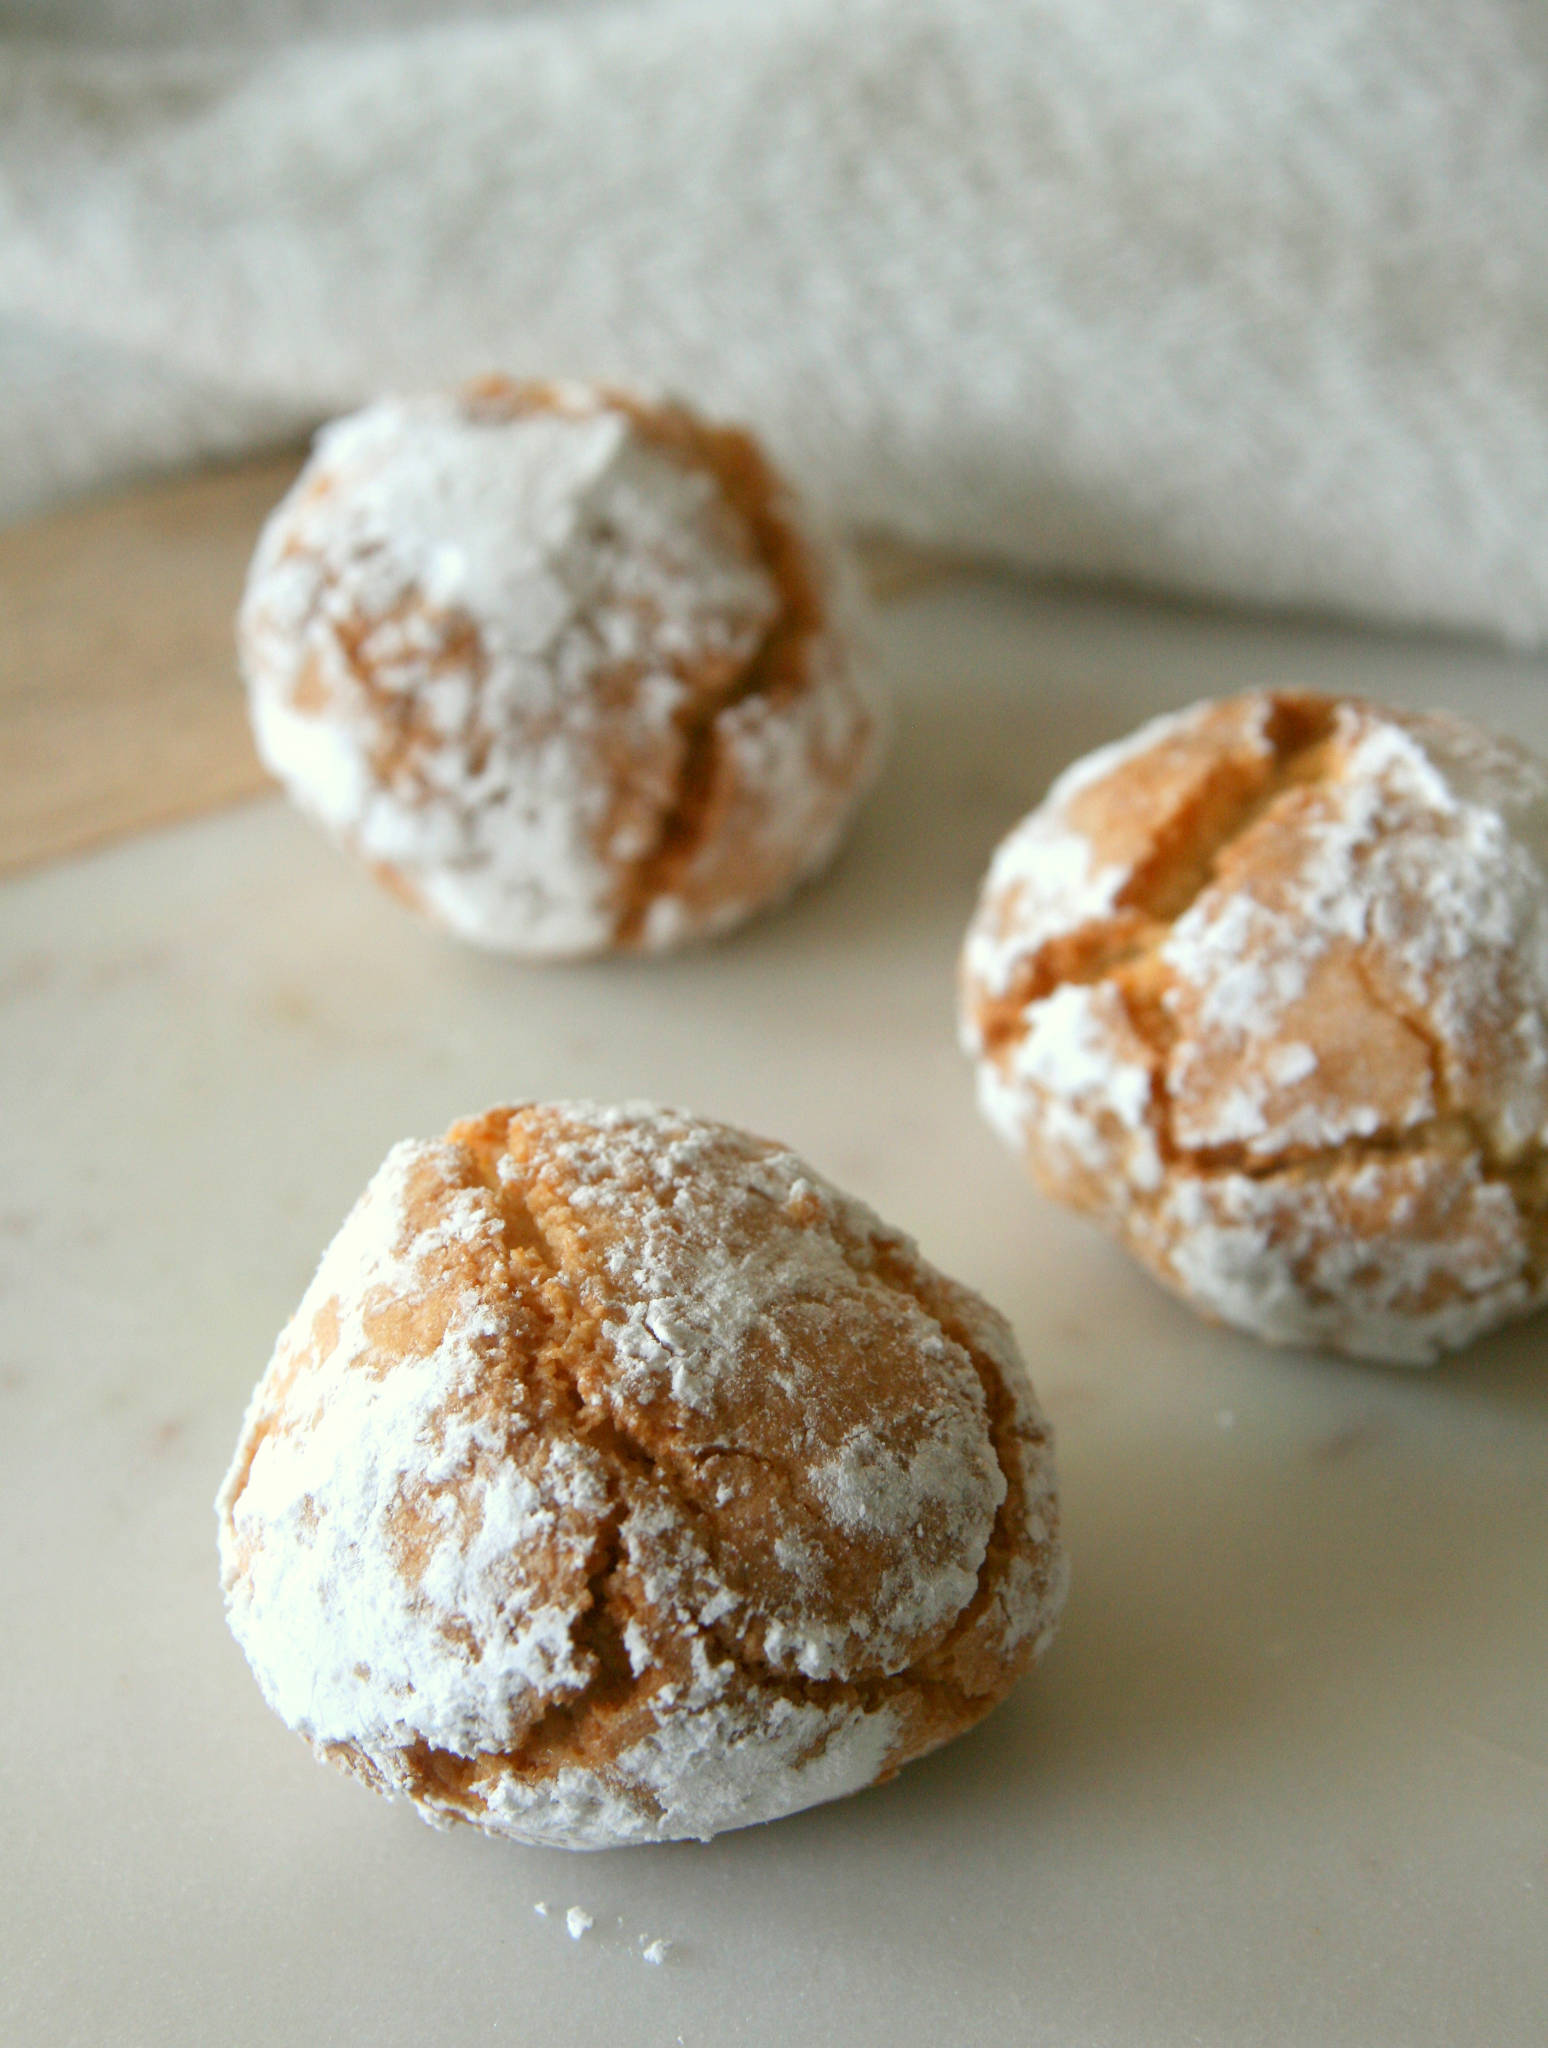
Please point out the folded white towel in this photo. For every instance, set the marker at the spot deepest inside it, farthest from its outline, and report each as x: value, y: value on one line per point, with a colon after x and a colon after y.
x: 1239, y: 297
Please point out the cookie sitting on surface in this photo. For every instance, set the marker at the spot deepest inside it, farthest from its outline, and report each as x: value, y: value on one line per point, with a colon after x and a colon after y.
x: 1265, y: 988
x: 567, y: 670
x: 620, y: 1480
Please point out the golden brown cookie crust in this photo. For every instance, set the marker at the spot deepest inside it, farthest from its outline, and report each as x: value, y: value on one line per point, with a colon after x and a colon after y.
x: 618, y: 1479
x: 1265, y: 987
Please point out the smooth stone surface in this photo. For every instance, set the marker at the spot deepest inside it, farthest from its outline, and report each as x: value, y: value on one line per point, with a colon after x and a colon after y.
x: 1283, y: 1778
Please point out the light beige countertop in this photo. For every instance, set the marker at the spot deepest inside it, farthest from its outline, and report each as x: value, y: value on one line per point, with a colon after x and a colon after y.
x: 1282, y: 1779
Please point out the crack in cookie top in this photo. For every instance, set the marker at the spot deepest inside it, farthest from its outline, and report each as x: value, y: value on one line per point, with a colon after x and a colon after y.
x: 619, y: 1478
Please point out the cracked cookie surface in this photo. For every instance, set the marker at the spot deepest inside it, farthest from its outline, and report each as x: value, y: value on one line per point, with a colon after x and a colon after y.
x: 1265, y: 988
x: 565, y: 669
x: 618, y: 1479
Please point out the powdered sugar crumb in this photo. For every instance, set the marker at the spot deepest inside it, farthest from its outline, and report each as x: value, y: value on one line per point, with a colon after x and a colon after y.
x: 578, y: 1922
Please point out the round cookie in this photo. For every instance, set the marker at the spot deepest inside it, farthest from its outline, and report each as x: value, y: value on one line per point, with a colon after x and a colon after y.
x: 562, y: 667
x: 619, y: 1480
x: 1265, y: 988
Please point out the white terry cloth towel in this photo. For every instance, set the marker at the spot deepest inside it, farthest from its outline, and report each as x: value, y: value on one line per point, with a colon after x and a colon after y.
x: 1246, y: 298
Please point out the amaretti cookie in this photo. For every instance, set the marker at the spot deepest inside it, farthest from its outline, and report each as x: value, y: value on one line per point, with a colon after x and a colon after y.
x: 620, y: 1480
x: 1265, y: 988
x: 567, y: 670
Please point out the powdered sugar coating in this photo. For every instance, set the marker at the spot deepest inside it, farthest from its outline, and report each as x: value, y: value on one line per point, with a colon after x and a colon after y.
x: 618, y: 1479
x: 560, y: 666
x: 1267, y: 988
